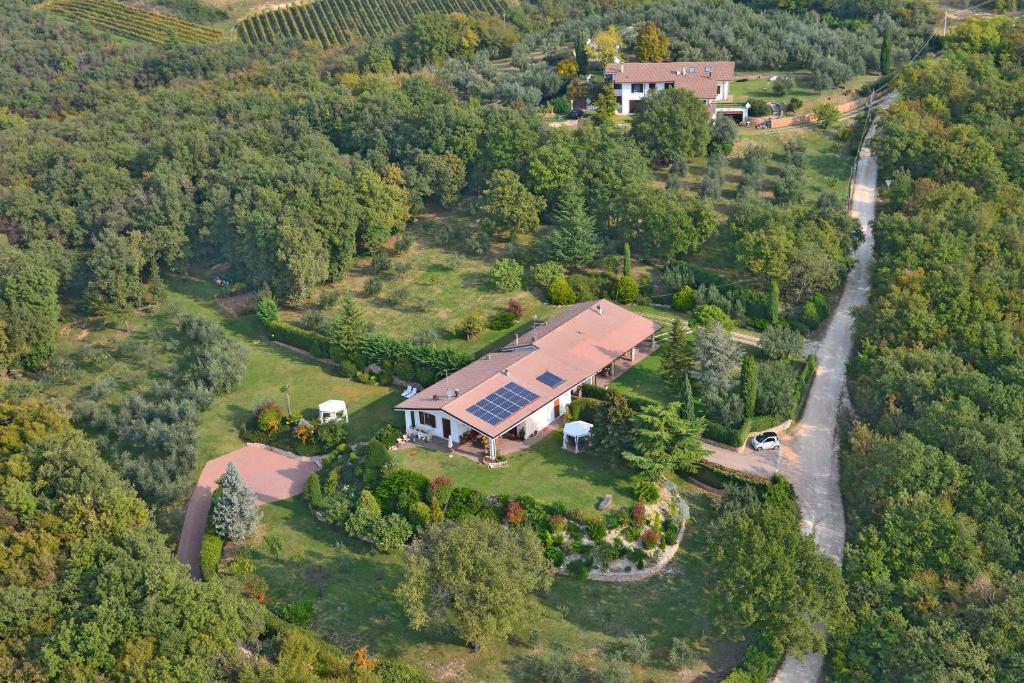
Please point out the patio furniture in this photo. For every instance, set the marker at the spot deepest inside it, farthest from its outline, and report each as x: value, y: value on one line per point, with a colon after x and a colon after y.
x: 409, y: 391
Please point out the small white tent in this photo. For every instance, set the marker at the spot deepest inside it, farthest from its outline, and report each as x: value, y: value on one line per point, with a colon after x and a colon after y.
x: 333, y: 410
x: 575, y: 430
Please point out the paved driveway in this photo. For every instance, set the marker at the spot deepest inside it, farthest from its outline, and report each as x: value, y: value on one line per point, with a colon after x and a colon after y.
x: 272, y: 475
x: 745, y: 459
x: 810, y: 458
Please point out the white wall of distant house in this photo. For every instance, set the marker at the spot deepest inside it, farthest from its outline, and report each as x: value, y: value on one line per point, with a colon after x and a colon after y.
x: 625, y: 95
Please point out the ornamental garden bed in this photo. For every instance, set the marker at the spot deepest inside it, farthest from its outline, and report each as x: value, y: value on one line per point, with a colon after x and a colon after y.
x: 641, y: 540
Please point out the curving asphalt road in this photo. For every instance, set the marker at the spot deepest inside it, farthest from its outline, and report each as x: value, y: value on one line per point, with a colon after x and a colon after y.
x: 810, y: 456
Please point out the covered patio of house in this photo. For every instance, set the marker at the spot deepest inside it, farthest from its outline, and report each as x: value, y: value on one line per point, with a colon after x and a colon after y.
x: 474, y: 447
x: 620, y: 365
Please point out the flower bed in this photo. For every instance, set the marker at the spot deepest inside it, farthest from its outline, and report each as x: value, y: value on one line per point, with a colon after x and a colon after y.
x: 639, y: 542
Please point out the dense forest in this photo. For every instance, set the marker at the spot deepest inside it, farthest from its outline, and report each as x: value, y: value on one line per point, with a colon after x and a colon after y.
x: 933, y: 473
x: 89, y: 586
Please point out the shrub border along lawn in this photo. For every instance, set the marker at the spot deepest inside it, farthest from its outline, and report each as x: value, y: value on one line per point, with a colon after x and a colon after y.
x: 210, y: 553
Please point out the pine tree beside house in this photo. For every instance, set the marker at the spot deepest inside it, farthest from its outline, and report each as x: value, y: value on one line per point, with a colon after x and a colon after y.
x: 235, y: 515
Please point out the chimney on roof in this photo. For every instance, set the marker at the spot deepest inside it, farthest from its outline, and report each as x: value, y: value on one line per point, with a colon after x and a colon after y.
x: 437, y: 397
x: 456, y: 392
x: 505, y: 372
x: 487, y: 357
x: 600, y: 309
x: 517, y: 339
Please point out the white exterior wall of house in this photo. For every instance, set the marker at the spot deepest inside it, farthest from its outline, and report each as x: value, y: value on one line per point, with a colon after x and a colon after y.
x: 624, y: 93
x: 412, y: 419
x: 536, y: 421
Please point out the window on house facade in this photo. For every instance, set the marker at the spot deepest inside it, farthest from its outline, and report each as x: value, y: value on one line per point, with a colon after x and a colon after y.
x: 669, y: 85
x: 638, y: 87
x: 428, y: 419
x: 718, y: 90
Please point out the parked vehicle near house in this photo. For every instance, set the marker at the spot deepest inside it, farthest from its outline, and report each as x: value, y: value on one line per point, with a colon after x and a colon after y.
x: 765, y: 441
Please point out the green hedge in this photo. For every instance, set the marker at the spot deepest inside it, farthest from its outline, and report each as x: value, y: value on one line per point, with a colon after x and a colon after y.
x: 311, y: 342
x: 209, y: 555
x: 601, y: 394
x: 423, y: 363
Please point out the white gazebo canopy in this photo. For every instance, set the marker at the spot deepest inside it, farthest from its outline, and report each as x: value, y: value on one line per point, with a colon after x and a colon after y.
x: 333, y: 410
x: 575, y: 431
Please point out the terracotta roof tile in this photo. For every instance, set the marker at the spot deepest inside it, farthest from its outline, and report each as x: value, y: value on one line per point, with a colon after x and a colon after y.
x: 574, y: 345
x: 702, y: 83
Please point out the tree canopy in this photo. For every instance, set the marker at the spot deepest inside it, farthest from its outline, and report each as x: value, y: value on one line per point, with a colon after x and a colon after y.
x: 474, y: 577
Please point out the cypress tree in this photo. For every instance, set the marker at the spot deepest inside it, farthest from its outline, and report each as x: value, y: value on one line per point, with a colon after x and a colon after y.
x: 235, y: 515
x: 748, y: 384
x: 773, y: 301
x: 314, y: 496
x: 582, y: 60
x: 627, y: 260
x: 678, y: 360
x: 688, y: 409
x: 885, y: 55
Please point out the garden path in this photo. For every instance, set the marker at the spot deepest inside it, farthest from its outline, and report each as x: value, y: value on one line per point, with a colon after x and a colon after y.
x: 273, y: 474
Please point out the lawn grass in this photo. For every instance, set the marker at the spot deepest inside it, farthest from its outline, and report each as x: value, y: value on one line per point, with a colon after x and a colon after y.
x: 352, y: 590
x: 755, y: 85
x: 644, y: 381
x: 431, y: 288
x: 545, y: 471
x: 271, y: 367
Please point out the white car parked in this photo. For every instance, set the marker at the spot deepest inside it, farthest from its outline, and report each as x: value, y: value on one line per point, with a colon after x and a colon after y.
x: 765, y: 441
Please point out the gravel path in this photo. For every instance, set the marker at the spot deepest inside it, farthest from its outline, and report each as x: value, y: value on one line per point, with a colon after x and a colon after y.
x: 271, y: 474
x: 814, y: 473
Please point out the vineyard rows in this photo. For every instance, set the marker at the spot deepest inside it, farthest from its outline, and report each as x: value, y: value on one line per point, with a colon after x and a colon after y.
x: 332, y: 22
x: 134, y: 23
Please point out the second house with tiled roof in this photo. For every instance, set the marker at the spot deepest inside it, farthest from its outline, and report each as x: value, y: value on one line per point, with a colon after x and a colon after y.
x: 708, y: 81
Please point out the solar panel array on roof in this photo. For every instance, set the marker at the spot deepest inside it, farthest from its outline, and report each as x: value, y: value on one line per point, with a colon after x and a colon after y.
x: 502, y: 403
x: 550, y: 379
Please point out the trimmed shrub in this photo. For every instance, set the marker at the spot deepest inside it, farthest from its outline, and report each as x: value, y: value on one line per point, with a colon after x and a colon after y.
x: 626, y: 290
x: 582, y: 409
x: 501, y: 320
x: 388, y: 435
x: 708, y: 313
x: 314, y: 496
x: 464, y: 502
x: 683, y: 299
x: 646, y: 491
x: 507, y: 275
x: 544, y: 273
x: 560, y: 293
x: 399, y: 489
x: 390, y: 533
x: 307, y: 340
x: 210, y: 552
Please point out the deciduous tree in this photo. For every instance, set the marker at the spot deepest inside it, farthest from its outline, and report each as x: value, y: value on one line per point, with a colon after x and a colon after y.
x: 473, y: 577
x: 651, y: 43
x: 671, y: 123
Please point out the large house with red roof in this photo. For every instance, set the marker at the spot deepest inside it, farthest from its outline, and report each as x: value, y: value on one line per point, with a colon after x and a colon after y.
x: 708, y: 81
x: 524, y: 387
